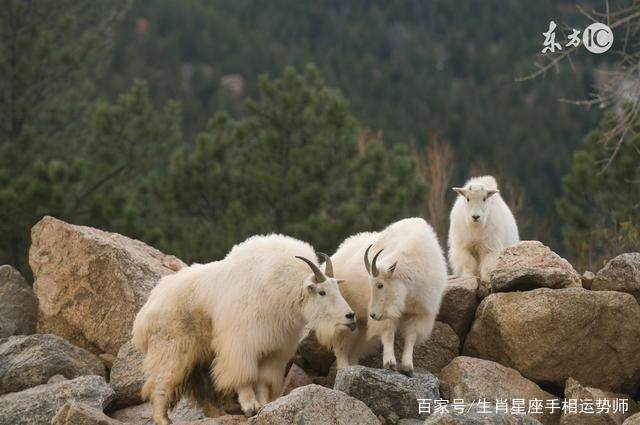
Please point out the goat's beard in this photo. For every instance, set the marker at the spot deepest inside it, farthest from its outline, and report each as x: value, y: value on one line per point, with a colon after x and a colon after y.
x: 325, y: 332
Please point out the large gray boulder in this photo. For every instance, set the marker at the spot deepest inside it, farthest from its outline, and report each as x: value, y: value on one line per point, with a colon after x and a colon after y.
x: 622, y: 273
x: 127, y: 377
x: 38, y: 405
x: 530, y: 264
x: 74, y: 413
x: 317, y: 405
x: 551, y: 335
x: 470, y: 379
x: 18, y: 304
x: 90, y: 284
x: 142, y: 414
x: 30, y: 360
x: 429, y: 356
x: 388, y: 394
x: 459, y: 304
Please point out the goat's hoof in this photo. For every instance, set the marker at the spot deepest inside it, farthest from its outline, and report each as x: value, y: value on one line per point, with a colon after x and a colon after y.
x: 250, y: 412
x: 390, y: 365
x: 405, y: 370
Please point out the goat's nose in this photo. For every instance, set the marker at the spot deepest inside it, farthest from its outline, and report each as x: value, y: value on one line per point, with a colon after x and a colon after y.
x: 475, y: 217
x: 350, y: 316
x: 373, y: 315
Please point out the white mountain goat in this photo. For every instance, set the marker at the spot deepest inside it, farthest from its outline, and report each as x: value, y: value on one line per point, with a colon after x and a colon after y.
x: 232, y: 325
x: 400, y: 290
x: 481, y: 225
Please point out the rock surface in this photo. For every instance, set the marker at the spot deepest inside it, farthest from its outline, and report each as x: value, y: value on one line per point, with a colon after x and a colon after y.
x: 77, y: 269
x: 18, y: 304
x: 620, y: 274
x: 477, y: 417
x: 38, y: 405
x: 313, y: 355
x: 82, y: 414
x: 30, y: 360
x: 388, y: 394
x: 143, y: 413
x: 459, y: 305
x: 313, y: 404
x: 430, y: 356
x: 574, y: 391
x: 127, y: 377
x: 633, y: 420
x: 472, y: 379
x: 551, y: 335
x: 296, y: 377
x: 530, y: 264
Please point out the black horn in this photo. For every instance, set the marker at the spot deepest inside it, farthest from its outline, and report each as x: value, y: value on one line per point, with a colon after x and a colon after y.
x: 374, y: 267
x: 328, y: 265
x: 319, y: 277
x: 366, y: 259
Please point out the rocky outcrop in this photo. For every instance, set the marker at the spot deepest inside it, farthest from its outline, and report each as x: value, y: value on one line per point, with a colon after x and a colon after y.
x: 18, y: 304
x: 478, y: 417
x: 459, y: 304
x: 183, y: 412
x: 30, y: 360
x: 388, y: 394
x: 429, y: 356
x: 313, y: 404
x: 82, y: 414
x: 573, y: 390
x: 296, y: 377
x: 472, y: 379
x: 620, y: 274
x: 127, y: 377
x: 38, y: 405
x: 90, y: 284
x: 311, y: 354
x: 550, y: 335
x: 530, y: 264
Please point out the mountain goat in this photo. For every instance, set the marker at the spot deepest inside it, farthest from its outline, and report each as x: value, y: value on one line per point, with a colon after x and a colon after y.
x: 399, y: 290
x: 232, y: 325
x: 481, y: 225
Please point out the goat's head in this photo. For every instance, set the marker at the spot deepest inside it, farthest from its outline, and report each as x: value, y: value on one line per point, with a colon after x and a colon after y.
x: 476, y: 200
x: 325, y: 309
x: 387, y: 293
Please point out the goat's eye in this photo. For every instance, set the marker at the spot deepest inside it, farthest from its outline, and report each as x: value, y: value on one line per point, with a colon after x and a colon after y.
x: 484, y: 199
x: 322, y: 293
x: 380, y: 285
x: 467, y: 199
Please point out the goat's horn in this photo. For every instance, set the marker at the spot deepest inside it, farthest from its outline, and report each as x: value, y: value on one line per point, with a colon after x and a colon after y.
x: 366, y: 259
x: 374, y: 267
x: 319, y: 277
x: 328, y: 265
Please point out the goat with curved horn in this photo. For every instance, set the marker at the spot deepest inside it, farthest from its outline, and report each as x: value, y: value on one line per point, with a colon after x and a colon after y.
x: 328, y: 265
x: 319, y: 276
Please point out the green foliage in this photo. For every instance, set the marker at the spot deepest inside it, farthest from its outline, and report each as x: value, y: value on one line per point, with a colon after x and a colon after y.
x: 600, y: 208
x: 291, y: 165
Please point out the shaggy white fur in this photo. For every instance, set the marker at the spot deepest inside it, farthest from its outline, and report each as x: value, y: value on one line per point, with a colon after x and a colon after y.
x: 481, y: 225
x: 404, y: 296
x: 239, y: 318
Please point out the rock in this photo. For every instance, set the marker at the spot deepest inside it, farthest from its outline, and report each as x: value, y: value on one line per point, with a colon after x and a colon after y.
x: 587, y: 279
x: 220, y: 420
x: 56, y: 378
x: 388, y: 394
x: 459, y: 305
x: 620, y: 274
x: 574, y: 391
x: 471, y: 379
x: 18, y: 304
x: 81, y: 414
x: 430, y: 356
x: 143, y: 413
x: 296, y: 377
x: 77, y: 269
x: 38, y: 405
x: 530, y: 264
x: 30, y: 360
x: 478, y: 417
x: 551, y: 335
x: 313, y: 404
x: 633, y: 420
x: 314, y: 355
x: 107, y: 359
x: 127, y: 377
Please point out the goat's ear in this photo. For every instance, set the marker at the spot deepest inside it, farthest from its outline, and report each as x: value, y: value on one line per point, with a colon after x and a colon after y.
x: 492, y: 192
x: 460, y: 191
x: 310, y: 286
x: 391, y: 269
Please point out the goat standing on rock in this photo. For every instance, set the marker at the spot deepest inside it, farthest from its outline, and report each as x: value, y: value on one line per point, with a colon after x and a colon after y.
x: 239, y: 319
x: 399, y: 290
x: 481, y: 226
